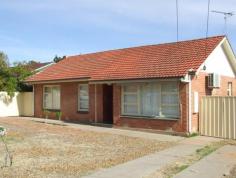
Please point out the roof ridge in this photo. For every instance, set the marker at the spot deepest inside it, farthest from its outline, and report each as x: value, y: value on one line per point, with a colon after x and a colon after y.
x: 135, y: 47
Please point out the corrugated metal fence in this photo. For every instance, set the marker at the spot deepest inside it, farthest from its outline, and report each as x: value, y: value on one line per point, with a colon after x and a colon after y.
x: 218, y: 116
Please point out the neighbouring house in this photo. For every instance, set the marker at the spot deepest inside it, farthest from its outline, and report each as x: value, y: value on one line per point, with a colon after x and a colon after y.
x: 152, y: 87
x: 38, y: 66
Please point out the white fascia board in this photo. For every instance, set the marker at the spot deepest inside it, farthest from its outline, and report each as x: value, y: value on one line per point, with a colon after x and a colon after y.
x: 43, y: 67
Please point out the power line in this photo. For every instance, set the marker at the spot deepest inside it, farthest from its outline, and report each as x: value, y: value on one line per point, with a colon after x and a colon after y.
x: 177, y: 20
x: 207, y: 29
x: 208, y: 15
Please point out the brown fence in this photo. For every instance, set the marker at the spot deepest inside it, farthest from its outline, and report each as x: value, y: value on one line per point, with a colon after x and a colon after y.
x: 218, y: 116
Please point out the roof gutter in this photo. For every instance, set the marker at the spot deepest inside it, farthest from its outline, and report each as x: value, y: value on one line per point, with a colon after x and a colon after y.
x: 58, y: 81
x: 123, y: 81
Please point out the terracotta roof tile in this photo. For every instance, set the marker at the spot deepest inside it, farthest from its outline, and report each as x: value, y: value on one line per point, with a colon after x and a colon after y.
x: 153, y: 61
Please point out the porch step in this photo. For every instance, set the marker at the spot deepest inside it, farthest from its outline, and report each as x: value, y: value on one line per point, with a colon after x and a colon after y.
x: 102, y: 125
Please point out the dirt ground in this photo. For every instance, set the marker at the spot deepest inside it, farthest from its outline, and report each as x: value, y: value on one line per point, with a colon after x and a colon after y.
x: 45, y: 150
x: 232, y: 173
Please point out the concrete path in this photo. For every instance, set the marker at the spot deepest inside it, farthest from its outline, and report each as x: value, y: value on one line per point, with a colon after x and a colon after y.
x: 130, y: 133
x: 214, y: 165
x: 146, y: 165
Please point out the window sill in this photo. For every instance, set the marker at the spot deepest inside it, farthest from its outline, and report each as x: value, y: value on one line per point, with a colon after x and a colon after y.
x: 52, y: 110
x: 82, y: 112
x: 151, y: 117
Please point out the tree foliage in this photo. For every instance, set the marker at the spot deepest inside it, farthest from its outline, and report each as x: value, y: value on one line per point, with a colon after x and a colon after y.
x: 58, y: 59
x: 12, y: 78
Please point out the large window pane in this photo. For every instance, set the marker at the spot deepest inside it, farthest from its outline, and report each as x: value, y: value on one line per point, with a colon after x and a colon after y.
x: 169, y: 87
x: 130, y: 109
x: 130, y: 88
x: 151, y: 99
x: 169, y: 99
x: 47, y: 100
x: 51, y: 98
x: 83, y: 97
x: 130, y: 98
x: 56, y: 98
x: 170, y: 110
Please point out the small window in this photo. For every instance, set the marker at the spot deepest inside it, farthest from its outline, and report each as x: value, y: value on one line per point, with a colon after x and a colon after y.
x: 51, y: 97
x: 230, y: 89
x: 83, y: 97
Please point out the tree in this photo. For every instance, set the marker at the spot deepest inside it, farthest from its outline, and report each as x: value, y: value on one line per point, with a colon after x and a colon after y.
x: 4, y: 63
x: 20, y: 71
x: 57, y: 59
x: 12, y: 78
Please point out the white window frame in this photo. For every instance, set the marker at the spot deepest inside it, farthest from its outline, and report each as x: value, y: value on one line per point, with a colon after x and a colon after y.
x: 44, y: 93
x: 158, y: 87
x: 82, y: 109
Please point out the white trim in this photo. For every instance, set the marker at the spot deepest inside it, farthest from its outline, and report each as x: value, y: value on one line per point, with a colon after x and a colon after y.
x: 190, y: 105
x: 43, y: 67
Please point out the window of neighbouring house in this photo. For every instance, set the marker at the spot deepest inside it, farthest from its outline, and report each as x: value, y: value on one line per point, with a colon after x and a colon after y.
x: 83, y: 97
x: 230, y: 89
x: 151, y: 99
x: 51, y: 97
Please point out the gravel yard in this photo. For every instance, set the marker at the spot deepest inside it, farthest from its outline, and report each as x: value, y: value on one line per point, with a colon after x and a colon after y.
x: 46, y: 150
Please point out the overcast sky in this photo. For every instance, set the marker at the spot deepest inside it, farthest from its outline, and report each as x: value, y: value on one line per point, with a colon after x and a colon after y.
x: 40, y: 29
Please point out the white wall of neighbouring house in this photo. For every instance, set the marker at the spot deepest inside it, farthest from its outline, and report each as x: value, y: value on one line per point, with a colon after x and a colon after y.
x: 218, y: 62
x: 19, y: 105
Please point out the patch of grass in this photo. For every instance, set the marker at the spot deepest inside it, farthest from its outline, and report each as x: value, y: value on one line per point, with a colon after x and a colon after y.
x: 13, y: 137
x: 202, y: 152
x: 174, y: 168
x: 194, y: 134
x: 178, y: 168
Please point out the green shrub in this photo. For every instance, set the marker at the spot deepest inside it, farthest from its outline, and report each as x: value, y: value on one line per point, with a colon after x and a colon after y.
x: 58, y: 115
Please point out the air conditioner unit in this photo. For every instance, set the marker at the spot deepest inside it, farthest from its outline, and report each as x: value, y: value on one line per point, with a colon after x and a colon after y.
x: 214, y: 80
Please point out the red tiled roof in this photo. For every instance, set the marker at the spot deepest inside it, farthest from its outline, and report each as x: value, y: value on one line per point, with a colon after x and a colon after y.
x: 153, y: 61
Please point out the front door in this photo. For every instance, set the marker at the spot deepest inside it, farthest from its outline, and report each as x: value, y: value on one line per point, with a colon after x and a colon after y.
x: 107, y: 104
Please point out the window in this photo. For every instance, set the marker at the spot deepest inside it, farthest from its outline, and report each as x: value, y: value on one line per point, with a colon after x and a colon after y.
x: 51, y: 97
x: 230, y: 89
x: 151, y: 99
x: 83, y: 97
x: 169, y: 99
x: 130, y: 100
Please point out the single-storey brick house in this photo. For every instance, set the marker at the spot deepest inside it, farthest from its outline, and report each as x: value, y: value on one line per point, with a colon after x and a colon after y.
x: 155, y: 86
